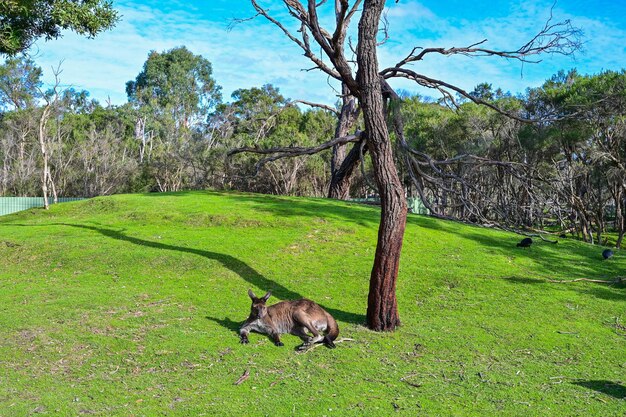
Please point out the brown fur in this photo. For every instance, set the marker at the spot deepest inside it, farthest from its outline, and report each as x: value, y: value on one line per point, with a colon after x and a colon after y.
x: 294, y: 317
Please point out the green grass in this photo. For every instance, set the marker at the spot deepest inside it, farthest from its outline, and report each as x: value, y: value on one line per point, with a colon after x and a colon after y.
x: 129, y: 306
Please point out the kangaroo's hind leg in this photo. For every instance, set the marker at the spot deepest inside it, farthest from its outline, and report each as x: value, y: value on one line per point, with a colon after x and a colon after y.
x: 300, y: 331
x: 304, y: 321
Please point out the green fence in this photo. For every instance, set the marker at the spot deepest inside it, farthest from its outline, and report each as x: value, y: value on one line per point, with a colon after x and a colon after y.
x: 414, y: 204
x: 10, y: 205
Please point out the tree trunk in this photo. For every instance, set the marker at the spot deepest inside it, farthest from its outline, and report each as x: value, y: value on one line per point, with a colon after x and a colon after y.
x: 342, y: 166
x: 620, y: 223
x: 45, y: 175
x: 382, y: 308
x: 341, y: 179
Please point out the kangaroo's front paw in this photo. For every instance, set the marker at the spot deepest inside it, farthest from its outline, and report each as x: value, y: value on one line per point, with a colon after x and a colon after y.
x: 279, y: 343
x: 244, y: 341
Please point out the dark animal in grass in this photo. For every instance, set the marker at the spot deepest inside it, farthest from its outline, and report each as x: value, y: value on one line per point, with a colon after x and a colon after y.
x: 525, y: 243
x: 294, y: 317
x: 607, y: 253
x: 563, y: 235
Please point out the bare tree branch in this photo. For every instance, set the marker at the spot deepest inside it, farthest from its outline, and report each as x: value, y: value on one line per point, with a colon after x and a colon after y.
x: 295, y: 9
x: 321, y: 106
x: 442, y: 86
x: 291, y: 151
x: 554, y: 38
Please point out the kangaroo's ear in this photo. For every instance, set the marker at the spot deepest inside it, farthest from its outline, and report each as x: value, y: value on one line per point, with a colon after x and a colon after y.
x: 266, y: 296
x: 251, y: 294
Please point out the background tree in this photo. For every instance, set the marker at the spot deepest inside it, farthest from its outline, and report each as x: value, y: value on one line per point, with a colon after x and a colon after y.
x: 588, y: 165
x: 94, y: 147
x: 344, y: 163
x: 20, y: 81
x: 173, y: 96
x: 470, y: 162
x: 19, y: 156
x: 262, y: 118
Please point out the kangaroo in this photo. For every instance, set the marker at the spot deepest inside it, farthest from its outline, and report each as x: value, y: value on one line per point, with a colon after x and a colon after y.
x: 294, y: 317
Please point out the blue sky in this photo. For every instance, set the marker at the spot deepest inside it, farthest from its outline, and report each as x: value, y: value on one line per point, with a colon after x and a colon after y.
x: 256, y: 53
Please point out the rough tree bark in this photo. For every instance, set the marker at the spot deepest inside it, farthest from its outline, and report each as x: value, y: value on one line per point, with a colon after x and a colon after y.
x: 341, y: 179
x: 382, y: 307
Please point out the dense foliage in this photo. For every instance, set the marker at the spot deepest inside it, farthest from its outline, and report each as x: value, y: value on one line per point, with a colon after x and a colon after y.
x: 172, y: 135
x: 22, y: 22
x: 564, y: 171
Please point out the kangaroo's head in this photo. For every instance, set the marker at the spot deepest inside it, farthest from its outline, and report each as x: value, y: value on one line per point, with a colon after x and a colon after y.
x: 258, y: 309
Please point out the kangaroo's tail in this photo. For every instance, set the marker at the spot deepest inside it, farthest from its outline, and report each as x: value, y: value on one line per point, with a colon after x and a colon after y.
x: 333, y: 331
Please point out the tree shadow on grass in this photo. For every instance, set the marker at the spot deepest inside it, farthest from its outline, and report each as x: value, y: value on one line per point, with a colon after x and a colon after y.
x: 353, y: 212
x: 606, y: 291
x: 245, y: 271
x: 612, y: 389
x: 227, y: 323
x: 237, y: 266
x: 283, y: 206
x: 523, y: 280
x: 568, y: 260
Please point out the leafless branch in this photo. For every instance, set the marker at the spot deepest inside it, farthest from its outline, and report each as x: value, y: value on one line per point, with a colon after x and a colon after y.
x: 442, y: 86
x: 321, y: 106
x: 237, y: 21
x: 384, y: 29
x: 291, y: 151
x: 243, y: 377
x: 616, y: 281
x: 315, y: 346
x: 296, y: 10
x: 554, y: 38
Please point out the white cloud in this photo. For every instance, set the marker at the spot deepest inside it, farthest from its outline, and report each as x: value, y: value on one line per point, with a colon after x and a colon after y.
x: 256, y: 52
x: 252, y: 54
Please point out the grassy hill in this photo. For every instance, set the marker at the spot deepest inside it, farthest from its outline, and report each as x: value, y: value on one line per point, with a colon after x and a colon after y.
x: 129, y: 306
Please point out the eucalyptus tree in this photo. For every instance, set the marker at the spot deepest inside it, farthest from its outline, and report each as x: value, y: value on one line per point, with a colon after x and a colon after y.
x: 23, y: 22
x: 178, y: 83
x: 20, y: 83
x: 173, y: 96
x: 18, y: 155
x: 602, y: 101
x: 591, y: 169
x: 94, y: 147
x: 20, y: 90
x: 367, y: 82
x: 27, y: 124
x: 262, y: 118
